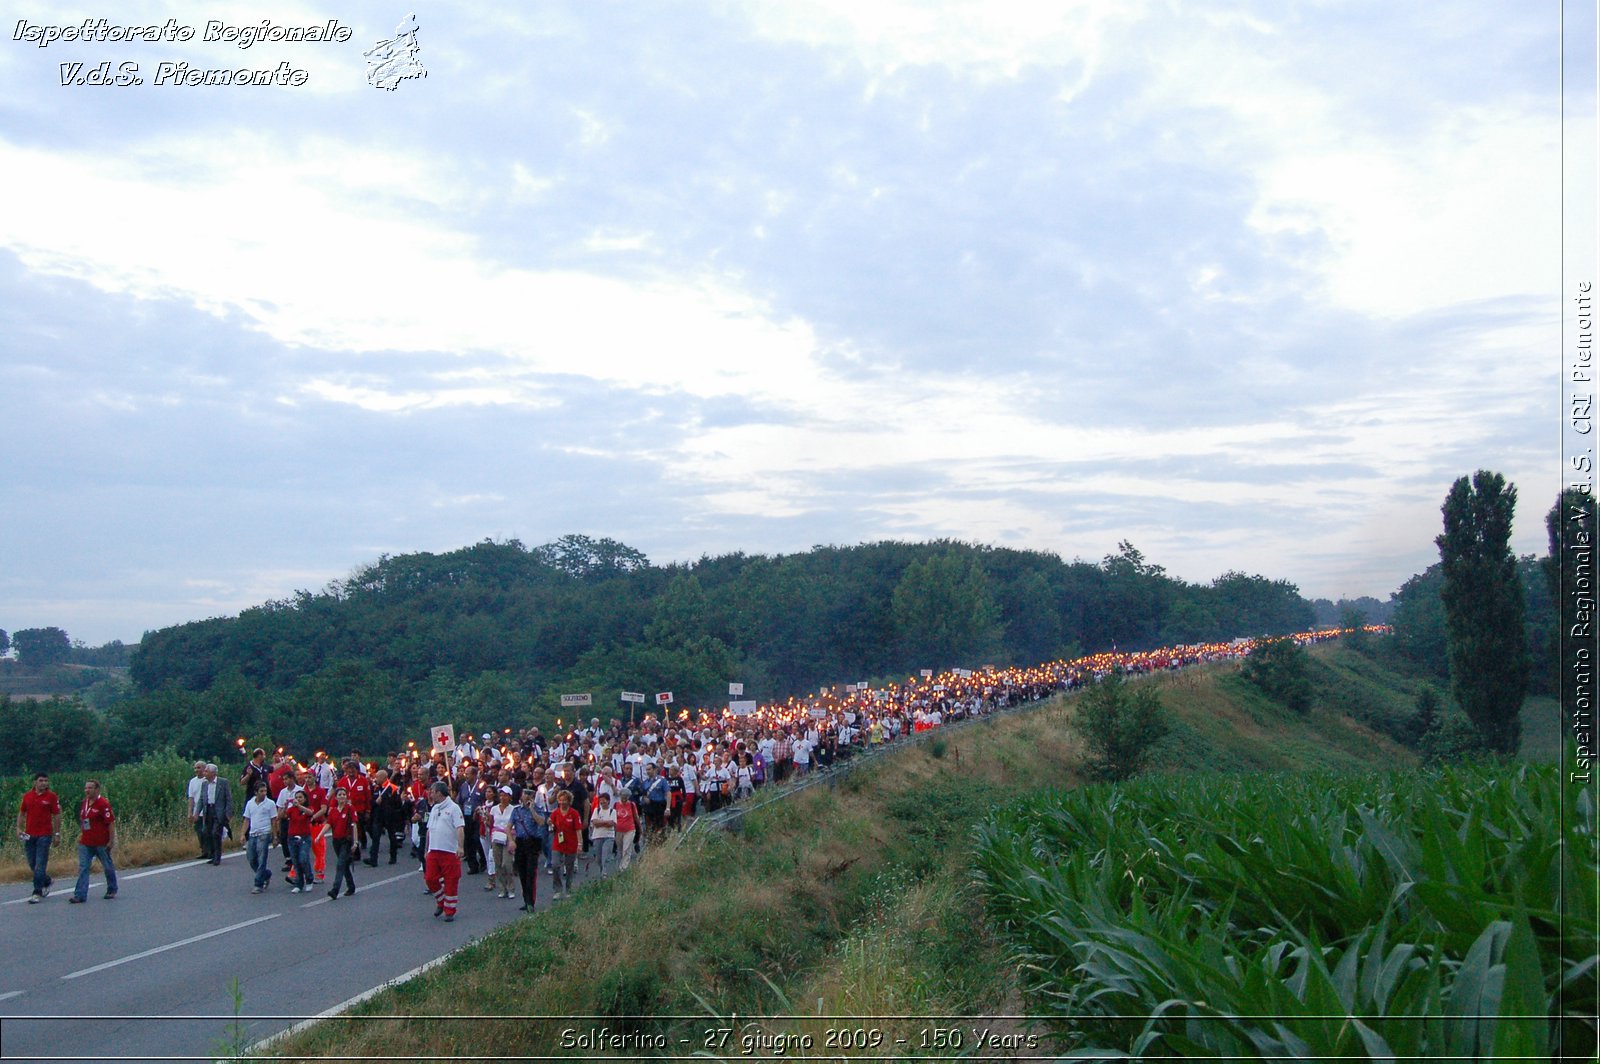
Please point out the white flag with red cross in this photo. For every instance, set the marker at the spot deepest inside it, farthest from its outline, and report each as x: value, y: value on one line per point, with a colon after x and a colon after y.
x: 444, y: 739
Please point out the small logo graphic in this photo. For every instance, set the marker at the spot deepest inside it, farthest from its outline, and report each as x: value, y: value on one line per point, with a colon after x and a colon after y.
x: 395, y: 60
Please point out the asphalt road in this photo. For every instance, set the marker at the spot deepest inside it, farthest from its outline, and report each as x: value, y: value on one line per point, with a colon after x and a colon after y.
x: 150, y: 974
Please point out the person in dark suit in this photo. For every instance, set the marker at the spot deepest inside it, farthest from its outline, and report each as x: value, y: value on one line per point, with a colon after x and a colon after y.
x: 390, y: 815
x: 215, y: 806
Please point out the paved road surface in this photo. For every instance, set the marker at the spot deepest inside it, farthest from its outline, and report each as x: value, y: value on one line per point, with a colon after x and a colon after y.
x: 148, y: 975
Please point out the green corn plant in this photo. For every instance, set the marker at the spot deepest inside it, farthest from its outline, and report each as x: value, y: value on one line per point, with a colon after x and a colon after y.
x: 1392, y: 915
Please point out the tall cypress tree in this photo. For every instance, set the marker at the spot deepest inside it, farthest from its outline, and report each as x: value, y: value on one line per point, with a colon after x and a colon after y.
x: 1483, y: 607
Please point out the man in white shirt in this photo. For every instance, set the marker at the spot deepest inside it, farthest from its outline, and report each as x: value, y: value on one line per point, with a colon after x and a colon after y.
x: 192, y: 811
x: 802, y: 755
x: 260, y: 818
x: 323, y: 772
x: 291, y: 787
x: 691, y: 785
x: 447, y: 842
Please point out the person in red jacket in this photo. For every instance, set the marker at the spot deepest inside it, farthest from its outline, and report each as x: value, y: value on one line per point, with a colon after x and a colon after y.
x: 356, y: 784
x: 566, y: 835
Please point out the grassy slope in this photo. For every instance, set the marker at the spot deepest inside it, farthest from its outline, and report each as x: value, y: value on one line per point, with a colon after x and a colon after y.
x: 856, y: 896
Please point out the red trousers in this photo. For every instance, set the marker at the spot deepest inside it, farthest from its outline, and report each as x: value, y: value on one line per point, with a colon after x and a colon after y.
x: 441, y: 870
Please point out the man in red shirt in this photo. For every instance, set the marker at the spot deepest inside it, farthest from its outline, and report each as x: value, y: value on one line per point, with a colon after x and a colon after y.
x: 359, y: 788
x: 38, y: 823
x: 97, y: 835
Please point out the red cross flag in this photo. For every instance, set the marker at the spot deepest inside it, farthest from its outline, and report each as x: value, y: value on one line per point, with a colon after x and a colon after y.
x: 444, y: 738
x: 663, y: 698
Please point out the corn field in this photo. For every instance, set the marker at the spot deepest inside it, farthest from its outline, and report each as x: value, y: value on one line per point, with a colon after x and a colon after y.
x: 1437, y: 914
x: 147, y: 796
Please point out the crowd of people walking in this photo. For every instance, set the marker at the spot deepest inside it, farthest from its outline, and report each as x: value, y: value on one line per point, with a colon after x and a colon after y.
x: 515, y: 805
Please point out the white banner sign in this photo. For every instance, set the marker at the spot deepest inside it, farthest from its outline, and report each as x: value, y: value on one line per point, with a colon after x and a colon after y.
x: 962, y: 672
x: 663, y: 698
x: 633, y: 696
x: 736, y: 688
x: 927, y: 674
x: 819, y: 714
x: 742, y: 709
x: 862, y: 685
x: 444, y: 738
x: 576, y: 700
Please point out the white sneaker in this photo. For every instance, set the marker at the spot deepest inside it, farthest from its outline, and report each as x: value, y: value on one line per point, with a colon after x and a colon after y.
x: 294, y: 890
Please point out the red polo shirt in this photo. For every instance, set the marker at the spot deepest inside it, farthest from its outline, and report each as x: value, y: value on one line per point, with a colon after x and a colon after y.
x: 94, y: 818
x: 566, y: 830
x: 339, y: 820
x: 299, y: 818
x: 37, y: 811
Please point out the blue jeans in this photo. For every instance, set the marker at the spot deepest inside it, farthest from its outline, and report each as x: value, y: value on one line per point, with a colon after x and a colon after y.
x: 300, y: 854
x: 86, y: 856
x: 602, y: 846
x: 37, y: 850
x: 258, y: 851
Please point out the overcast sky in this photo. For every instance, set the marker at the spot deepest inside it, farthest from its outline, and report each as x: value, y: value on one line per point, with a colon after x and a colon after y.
x: 1248, y: 284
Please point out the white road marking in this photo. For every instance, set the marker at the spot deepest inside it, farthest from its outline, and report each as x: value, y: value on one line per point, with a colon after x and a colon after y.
x: 11, y: 994
x: 170, y: 945
x: 324, y: 900
x: 289, y: 1032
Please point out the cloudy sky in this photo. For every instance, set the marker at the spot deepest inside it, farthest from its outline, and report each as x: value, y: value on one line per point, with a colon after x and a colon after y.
x: 1247, y: 284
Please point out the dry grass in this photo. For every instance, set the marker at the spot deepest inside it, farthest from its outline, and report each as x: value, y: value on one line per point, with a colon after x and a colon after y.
x: 134, y: 852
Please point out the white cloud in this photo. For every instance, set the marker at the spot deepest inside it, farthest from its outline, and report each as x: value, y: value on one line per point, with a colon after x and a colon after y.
x: 981, y: 38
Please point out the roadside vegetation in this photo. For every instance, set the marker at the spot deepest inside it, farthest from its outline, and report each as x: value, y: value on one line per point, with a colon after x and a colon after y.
x: 147, y: 796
